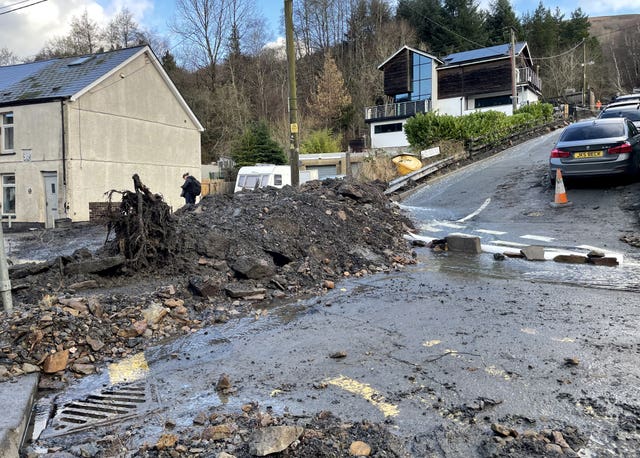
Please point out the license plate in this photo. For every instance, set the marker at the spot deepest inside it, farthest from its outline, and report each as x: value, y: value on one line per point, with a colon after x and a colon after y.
x: 587, y: 154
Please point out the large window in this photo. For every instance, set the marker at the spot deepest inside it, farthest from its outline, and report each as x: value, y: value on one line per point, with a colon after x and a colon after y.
x: 387, y: 128
x: 495, y: 101
x: 6, y: 133
x: 422, y: 77
x: 8, y: 194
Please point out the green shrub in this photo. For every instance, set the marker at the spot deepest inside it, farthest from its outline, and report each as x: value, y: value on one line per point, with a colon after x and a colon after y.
x: 428, y: 129
x: 320, y: 141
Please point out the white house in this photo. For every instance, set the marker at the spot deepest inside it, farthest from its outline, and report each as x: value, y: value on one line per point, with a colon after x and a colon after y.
x: 458, y: 84
x: 73, y: 129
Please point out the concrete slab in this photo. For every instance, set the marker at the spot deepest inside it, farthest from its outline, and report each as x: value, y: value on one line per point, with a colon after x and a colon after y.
x: 16, y: 398
x: 464, y: 244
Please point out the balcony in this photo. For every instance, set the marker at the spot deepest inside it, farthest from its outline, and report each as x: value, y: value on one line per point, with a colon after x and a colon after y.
x: 396, y: 110
x: 528, y: 76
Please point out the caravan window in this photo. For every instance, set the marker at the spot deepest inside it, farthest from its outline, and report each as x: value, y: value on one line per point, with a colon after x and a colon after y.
x: 241, y: 180
x: 251, y: 182
x: 277, y: 180
x: 265, y: 181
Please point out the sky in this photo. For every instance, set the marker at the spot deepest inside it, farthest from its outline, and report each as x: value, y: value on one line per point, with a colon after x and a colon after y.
x: 25, y: 31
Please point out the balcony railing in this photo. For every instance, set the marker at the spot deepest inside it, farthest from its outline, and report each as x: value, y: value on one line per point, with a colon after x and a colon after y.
x: 527, y: 75
x: 397, y: 110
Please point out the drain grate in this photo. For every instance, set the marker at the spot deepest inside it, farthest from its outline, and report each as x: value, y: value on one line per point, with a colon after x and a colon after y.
x: 108, y: 406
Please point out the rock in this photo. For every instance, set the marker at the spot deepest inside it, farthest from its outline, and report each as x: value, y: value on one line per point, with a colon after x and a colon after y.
x: 28, y: 368
x: 328, y: 284
x: 464, y: 244
x: 604, y: 261
x: 240, y: 291
x: 154, y: 314
x: 338, y: 355
x: 595, y: 254
x: 87, y: 284
x: 571, y: 361
x: 224, y: 383
x: 558, y: 439
x: 167, y: 441
x: 571, y: 259
x: 75, y: 303
x: 503, y: 430
x: 273, y: 439
x: 512, y: 254
x: 205, y: 287
x: 56, y: 362
x: 217, y: 432
x: 84, y: 369
x: 554, y: 449
x: 4, y: 372
x: 27, y: 269
x: 499, y: 256
x: 253, y: 268
x: 95, y: 266
x: 225, y: 455
x: 200, y: 419
x: 359, y: 448
x: 533, y: 253
x: 172, y: 303
x: 95, y: 344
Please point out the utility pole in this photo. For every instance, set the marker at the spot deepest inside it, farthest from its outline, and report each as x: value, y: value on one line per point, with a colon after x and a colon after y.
x: 584, y: 69
x: 293, y: 101
x: 514, y: 87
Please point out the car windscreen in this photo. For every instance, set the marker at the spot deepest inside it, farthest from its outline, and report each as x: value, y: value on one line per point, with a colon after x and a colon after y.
x: 632, y: 114
x: 592, y: 132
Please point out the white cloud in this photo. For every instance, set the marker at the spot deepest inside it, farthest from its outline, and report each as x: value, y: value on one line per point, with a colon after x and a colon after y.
x: 26, y: 31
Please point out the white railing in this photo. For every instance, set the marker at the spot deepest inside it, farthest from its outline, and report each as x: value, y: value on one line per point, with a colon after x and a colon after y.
x: 397, y: 110
x: 527, y: 75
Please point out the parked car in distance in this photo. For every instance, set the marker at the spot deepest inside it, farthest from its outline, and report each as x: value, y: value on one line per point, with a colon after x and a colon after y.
x: 598, y: 147
x: 629, y: 110
x: 627, y: 98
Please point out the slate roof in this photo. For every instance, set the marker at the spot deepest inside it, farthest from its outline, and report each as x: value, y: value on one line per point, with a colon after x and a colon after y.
x: 57, y: 78
x: 475, y: 55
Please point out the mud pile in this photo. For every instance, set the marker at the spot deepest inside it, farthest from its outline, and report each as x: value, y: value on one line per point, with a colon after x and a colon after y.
x: 225, y: 257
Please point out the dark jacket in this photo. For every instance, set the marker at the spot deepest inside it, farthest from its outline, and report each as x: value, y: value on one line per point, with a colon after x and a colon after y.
x: 189, y: 190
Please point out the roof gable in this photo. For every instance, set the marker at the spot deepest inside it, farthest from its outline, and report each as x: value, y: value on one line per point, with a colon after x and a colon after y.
x: 58, y: 78
x: 483, y: 54
x: 407, y: 48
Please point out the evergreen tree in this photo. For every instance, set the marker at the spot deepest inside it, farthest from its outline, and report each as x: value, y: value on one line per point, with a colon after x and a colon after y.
x: 257, y: 147
x: 425, y: 16
x: 465, y: 24
x: 500, y: 19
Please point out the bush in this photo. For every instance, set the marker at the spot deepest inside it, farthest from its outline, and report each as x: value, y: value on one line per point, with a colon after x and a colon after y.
x: 428, y: 129
x: 320, y: 141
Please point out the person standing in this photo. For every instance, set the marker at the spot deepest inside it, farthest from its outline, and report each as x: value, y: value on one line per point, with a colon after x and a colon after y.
x: 189, y: 188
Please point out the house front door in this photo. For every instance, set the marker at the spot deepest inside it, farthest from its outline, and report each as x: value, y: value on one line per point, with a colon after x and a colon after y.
x: 51, y: 197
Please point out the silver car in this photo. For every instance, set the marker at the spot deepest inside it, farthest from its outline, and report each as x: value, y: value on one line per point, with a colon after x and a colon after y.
x: 629, y: 110
x: 597, y: 147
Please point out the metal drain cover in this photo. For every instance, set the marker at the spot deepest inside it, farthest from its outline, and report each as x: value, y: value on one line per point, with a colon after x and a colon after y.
x: 108, y: 406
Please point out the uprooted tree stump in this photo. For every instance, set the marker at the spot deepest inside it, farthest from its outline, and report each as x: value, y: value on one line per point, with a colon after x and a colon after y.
x: 145, y: 231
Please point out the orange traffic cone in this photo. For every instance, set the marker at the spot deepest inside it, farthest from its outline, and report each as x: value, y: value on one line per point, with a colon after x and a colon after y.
x: 561, y: 195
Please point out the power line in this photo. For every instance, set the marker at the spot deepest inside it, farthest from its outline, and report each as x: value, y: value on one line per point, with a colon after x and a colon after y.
x: 20, y: 7
x: 13, y: 4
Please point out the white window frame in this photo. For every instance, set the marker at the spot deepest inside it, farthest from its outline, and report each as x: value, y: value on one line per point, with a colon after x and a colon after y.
x: 4, y: 136
x: 6, y: 185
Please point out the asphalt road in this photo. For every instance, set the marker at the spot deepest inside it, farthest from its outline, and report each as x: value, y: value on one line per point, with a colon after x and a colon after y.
x: 442, y: 350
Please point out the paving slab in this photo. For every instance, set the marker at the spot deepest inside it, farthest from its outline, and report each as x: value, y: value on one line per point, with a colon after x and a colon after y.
x: 16, y: 398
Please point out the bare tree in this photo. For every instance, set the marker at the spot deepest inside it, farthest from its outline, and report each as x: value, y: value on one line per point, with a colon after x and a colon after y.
x: 85, y: 34
x: 7, y: 57
x: 123, y: 31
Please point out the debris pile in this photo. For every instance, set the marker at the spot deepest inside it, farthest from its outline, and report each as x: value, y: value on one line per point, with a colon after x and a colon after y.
x: 165, y: 275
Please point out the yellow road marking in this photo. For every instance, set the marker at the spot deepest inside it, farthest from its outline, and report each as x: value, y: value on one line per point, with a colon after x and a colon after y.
x: 431, y: 343
x: 368, y: 393
x: 129, y: 369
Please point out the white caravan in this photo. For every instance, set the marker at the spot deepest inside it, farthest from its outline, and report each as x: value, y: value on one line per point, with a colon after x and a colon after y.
x: 263, y: 175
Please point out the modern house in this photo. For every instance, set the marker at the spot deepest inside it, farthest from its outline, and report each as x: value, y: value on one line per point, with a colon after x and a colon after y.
x: 72, y: 129
x: 458, y: 84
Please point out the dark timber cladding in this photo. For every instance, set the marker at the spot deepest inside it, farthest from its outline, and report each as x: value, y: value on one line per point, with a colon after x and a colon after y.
x: 397, y: 74
x: 474, y: 79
